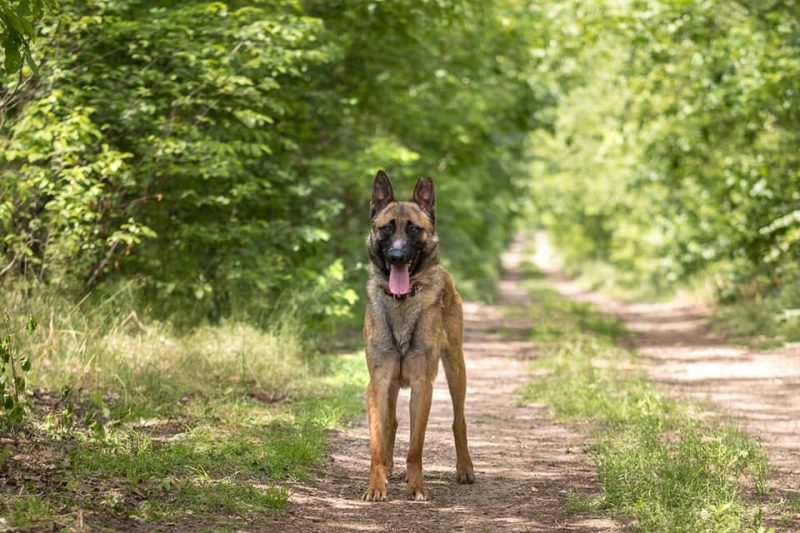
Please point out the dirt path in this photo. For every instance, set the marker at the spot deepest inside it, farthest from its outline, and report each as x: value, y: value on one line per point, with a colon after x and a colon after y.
x: 760, y: 390
x: 524, y: 462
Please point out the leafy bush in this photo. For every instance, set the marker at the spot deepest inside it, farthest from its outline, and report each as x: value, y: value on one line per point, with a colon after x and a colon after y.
x: 676, y: 150
x: 221, y: 153
x: 17, y: 31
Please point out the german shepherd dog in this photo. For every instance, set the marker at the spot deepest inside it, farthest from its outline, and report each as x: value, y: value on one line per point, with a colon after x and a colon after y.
x: 413, y: 318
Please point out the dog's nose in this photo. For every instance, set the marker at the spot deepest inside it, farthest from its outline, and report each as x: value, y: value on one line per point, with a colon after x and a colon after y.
x: 397, y: 255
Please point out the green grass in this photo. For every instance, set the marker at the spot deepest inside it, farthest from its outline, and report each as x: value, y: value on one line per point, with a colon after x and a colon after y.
x: 27, y: 511
x: 137, y: 423
x: 761, y: 323
x: 660, y: 466
x: 235, y: 467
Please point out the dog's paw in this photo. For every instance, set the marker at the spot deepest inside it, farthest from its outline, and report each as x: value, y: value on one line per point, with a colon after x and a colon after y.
x: 417, y: 494
x: 376, y: 494
x: 466, y: 475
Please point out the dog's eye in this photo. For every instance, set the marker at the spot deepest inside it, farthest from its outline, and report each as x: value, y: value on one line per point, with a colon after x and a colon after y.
x: 387, y: 229
x: 413, y: 229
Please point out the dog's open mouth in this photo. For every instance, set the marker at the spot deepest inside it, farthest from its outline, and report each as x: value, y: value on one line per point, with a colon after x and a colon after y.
x: 400, y: 277
x: 399, y: 282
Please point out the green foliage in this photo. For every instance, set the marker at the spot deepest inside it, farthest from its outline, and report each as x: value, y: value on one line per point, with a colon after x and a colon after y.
x: 103, y: 345
x: 14, y: 366
x: 221, y: 154
x: 676, y: 150
x: 17, y: 20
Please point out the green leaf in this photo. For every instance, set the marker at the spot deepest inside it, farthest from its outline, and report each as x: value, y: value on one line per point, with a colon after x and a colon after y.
x: 16, y: 413
x: 13, y: 59
x: 30, y: 62
x: 14, y: 21
x: 24, y: 8
x: 27, y: 27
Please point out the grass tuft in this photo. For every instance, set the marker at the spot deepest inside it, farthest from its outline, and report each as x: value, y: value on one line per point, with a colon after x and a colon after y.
x: 28, y: 511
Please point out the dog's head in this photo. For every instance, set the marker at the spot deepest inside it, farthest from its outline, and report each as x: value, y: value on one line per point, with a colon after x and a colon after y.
x: 403, y: 241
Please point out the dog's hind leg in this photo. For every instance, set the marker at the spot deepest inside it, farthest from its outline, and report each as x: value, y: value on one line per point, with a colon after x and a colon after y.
x: 456, y: 372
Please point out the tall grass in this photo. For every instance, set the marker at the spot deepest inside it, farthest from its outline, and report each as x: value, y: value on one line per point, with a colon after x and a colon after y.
x: 103, y: 343
x: 143, y: 422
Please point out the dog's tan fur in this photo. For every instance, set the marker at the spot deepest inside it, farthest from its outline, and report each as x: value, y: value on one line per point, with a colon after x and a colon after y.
x: 404, y: 340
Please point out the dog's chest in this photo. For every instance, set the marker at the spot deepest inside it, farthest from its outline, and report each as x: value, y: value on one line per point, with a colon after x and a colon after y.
x: 402, y: 318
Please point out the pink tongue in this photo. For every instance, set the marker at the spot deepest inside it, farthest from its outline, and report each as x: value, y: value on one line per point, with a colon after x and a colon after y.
x: 398, y: 280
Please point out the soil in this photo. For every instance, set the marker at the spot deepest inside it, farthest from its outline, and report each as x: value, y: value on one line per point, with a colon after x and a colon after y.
x: 525, y: 463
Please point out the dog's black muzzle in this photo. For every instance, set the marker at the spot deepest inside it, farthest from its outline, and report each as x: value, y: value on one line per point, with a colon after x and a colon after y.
x: 400, y: 256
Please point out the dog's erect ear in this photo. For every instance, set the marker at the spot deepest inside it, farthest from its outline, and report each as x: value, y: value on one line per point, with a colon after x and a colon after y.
x: 382, y: 194
x: 424, y: 196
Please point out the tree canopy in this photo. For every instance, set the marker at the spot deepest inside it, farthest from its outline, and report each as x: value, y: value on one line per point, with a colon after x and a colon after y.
x: 220, y: 153
x: 677, y: 153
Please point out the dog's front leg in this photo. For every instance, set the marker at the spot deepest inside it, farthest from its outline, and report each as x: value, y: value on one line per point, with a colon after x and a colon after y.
x: 384, y: 381
x: 421, y: 376
x: 378, y: 407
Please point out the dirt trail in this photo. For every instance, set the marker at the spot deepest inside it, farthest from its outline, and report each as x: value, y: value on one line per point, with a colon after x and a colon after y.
x: 524, y: 462
x: 759, y: 390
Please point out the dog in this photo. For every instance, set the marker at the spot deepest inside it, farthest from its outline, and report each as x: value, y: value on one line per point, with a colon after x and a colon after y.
x: 413, y: 317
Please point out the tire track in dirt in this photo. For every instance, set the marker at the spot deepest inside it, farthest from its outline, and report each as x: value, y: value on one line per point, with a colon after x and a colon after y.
x: 524, y: 462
